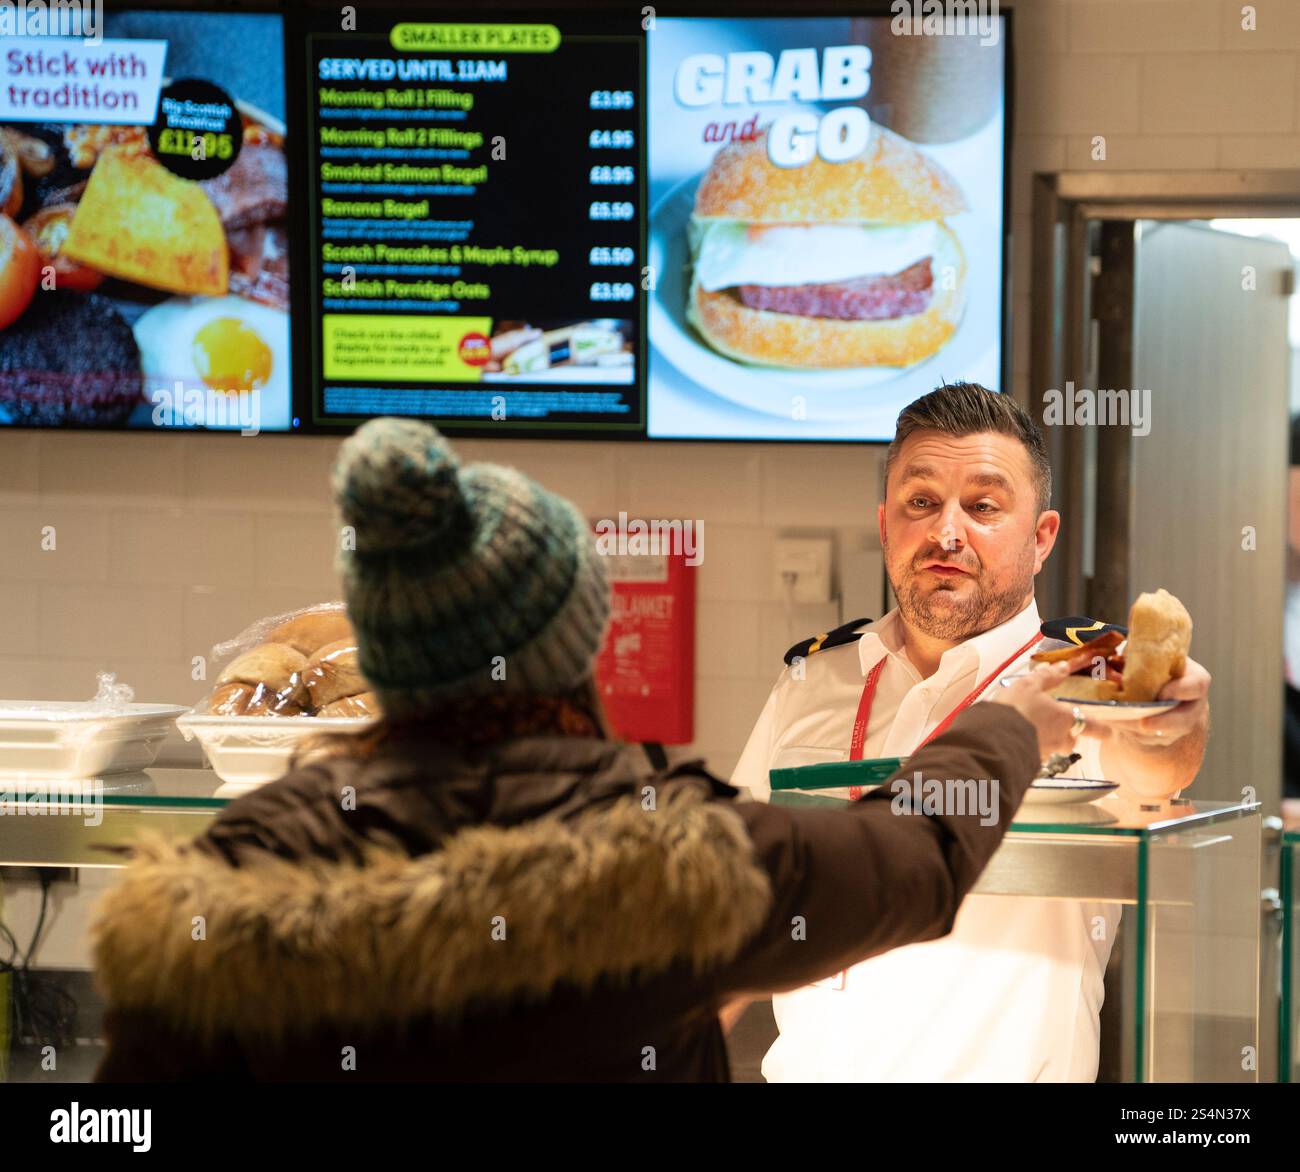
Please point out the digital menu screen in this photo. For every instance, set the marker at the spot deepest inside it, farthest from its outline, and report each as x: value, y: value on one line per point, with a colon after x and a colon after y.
x: 628, y: 224
x: 144, y: 274
x: 826, y: 213
x: 476, y: 223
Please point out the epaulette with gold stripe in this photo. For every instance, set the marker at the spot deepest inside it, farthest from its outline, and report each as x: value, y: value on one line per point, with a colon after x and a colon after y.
x: 1078, y: 630
x: 840, y: 637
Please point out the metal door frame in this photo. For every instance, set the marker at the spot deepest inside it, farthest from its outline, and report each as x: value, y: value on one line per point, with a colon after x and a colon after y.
x: 1064, y: 203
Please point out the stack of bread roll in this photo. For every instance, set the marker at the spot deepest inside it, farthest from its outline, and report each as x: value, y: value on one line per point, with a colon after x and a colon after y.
x: 307, y: 666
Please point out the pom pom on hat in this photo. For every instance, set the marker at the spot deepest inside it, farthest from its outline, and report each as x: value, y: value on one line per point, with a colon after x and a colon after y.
x: 397, y: 483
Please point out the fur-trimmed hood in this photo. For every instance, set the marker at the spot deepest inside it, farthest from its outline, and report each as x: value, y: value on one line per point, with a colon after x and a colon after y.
x: 336, y: 923
x: 498, y: 915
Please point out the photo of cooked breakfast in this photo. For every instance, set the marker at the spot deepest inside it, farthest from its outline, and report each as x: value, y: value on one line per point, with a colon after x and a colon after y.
x: 601, y: 348
x: 131, y: 295
x: 814, y: 264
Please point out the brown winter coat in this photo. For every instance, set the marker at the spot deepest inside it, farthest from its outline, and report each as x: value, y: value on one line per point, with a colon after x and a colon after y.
x: 545, y: 910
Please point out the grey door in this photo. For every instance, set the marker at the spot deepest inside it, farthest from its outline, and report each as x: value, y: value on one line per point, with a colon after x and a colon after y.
x: 1209, y: 480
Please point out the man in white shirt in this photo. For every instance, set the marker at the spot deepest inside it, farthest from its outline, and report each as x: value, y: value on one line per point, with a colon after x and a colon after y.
x: 1014, y: 992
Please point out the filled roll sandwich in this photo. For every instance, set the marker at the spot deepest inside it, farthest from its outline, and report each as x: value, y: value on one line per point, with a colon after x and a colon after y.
x: 1155, y: 652
x: 826, y: 264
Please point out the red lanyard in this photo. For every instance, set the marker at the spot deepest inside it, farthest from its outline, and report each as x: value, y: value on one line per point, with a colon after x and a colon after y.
x: 869, y: 695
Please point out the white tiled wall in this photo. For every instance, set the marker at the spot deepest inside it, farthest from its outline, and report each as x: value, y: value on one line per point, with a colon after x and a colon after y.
x: 166, y: 544
x: 1169, y: 84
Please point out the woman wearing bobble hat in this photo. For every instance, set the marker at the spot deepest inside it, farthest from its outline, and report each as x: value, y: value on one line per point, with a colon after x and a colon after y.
x: 490, y: 886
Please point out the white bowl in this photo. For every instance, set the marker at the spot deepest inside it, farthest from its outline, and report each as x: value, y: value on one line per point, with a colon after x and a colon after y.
x: 248, y: 751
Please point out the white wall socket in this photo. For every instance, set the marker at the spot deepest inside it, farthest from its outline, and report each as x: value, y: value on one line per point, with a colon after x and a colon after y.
x: 809, y: 559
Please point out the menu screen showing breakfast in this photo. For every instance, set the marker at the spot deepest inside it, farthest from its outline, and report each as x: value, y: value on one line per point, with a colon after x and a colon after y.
x: 476, y: 223
x: 651, y: 226
x: 825, y: 221
x: 143, y: 234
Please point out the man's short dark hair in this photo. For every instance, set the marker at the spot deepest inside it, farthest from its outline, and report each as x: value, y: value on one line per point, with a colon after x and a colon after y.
x: 960, y: 409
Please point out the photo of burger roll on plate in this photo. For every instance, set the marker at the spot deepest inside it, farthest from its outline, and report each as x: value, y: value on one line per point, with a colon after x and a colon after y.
x: 826, y: 265
x: 1155, y: 652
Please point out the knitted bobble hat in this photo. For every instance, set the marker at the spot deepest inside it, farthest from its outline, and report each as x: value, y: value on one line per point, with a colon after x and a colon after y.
x: 461, y: 581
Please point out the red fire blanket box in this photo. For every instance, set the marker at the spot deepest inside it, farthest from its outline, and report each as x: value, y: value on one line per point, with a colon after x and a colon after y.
x: 646, y: 669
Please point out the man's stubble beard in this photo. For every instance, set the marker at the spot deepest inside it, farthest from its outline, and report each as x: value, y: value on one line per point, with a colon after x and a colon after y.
x: 981, y: 611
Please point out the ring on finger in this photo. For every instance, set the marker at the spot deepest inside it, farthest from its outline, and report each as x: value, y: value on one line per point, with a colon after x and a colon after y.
x: 1079, y: 721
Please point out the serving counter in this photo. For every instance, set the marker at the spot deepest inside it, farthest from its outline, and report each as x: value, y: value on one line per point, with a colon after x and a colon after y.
x: 1187, y: 876
x: 1185, y: 872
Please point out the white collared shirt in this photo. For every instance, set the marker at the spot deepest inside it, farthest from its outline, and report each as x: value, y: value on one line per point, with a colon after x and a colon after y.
x: 1014, y: 992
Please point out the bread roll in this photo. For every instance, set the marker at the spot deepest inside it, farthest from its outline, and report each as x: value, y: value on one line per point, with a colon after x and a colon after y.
x: 1159, y: 638
x: 268, y: 703
x: 363, y: 704
x: 332, y: 673
x: 275, y: 665
x: 308, y: 633
x: 230, y: 700
x: 259, y: 703
x: 1155, y: 652
x: 253, y: 700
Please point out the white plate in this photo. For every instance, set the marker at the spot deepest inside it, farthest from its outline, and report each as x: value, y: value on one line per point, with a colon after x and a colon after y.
x: 832, y: 395
x: 1106, y: 711
x: 1117, y: 711
x: 1067, y: 791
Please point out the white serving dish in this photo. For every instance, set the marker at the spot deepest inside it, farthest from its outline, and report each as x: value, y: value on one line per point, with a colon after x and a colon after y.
x: 248, y: 751
x: 64, y: 740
